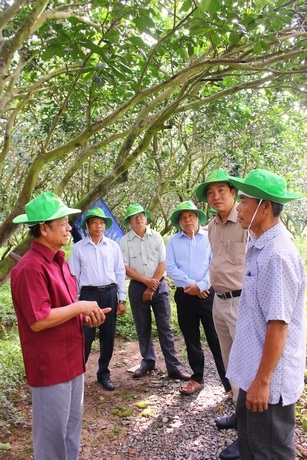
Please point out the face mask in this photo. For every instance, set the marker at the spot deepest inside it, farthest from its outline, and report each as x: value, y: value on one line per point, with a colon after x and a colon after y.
x: 252, y: 220
x: 193, y: 239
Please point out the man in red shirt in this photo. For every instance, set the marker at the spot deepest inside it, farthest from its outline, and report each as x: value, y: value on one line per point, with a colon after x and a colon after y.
x: 50, y: 323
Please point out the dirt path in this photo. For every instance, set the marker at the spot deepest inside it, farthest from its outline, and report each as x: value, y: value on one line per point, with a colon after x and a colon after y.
x: 144, y: 419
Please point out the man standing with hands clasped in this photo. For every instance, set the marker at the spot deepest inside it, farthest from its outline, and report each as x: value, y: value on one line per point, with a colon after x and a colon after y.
x: 188, y: 255
x: 144, y: 257
x: 50, y: 324
x: 99, y: 268
x: 267, y: 359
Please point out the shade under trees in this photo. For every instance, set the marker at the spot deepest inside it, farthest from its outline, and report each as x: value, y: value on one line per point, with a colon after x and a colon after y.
x: 136, y: 100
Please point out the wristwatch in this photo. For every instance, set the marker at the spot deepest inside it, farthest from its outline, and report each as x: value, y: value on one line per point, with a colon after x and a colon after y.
x: 122, y: 301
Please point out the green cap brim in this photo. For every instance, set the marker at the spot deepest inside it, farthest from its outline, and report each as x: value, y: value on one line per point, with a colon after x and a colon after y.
x: 256, y: 192
x: 23, y: 218
x: 201, y: 216
x: 126, y: 219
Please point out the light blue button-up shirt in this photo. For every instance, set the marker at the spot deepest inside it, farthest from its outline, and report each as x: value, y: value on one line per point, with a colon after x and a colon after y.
x: 98, y: 264
x: 188, y: 259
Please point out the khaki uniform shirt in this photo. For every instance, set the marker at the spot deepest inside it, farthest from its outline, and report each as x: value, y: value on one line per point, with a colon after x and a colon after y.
x: 143, y: 255
x: 228, y: 243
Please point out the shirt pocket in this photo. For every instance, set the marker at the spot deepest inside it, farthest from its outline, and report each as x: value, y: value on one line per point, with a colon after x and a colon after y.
x: 236, y: 253
x: 109, y: 263
x: 153, y: 253
x: 249, y: 294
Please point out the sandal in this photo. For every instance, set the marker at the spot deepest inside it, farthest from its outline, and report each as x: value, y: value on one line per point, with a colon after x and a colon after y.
x: 191, y: 387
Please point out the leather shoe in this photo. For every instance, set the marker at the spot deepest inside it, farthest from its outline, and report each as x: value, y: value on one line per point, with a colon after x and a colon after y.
x: 231, y: 452
x: 142, y: 371
x: 107, y: 383
x: 226, y: 423
x: 179, y: 375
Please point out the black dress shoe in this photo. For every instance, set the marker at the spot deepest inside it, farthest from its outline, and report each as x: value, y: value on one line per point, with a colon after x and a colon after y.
x: 107, y: 383
x: 142, y: 371
x: 226, y: 423
x: 231, y: 452
x: 179, y: 375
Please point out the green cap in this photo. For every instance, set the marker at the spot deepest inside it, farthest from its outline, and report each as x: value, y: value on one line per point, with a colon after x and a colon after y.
x: 96, y: 212
x: 218, y: 175
x: 43, y: 208
x: 187, y: 206
x: 212, y: 211
x: 264, y: 185
x: 134, y: 208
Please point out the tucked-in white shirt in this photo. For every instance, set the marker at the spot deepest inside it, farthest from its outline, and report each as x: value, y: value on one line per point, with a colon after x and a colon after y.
x: 273, y: 289
x: 188, y: 259
x: 98, y: 264
x: 143, y: 255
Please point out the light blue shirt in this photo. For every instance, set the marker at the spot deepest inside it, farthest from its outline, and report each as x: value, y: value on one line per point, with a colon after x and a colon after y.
x: 273, y: 289
x: 188, y: 259
x: 98, y: 264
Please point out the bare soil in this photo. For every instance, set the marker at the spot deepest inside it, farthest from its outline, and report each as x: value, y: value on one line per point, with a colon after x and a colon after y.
x: 103, y: 420
x: 112, y: 419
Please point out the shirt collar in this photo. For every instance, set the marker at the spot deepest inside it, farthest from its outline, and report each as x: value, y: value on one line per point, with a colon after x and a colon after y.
x: 232, y: 217
x: 46, y: 252
x: 148, y: 232
x: 87, y: 240
x: 201, y: 231
x: 268, y: 235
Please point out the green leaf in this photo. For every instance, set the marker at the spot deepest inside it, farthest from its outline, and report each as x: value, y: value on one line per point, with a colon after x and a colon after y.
x: 277, y: 23
x: 186, y: 6
x: 144, y: 22
x: 142, y: 404
x: 5, y: 446
x: 196, y: 27
x: 209, y: 6
x: 257, y: 49
x: 117, y: 73
x: 140, y: 23
x: 137, y: 41
x: 247, y: 20
x: 216, y: 40
x: 100, y: 2
x: 234, y: 38
x: 112, y: 36
x: 95, y: 48
x: 51, y: 51
x: 265, y: 45
x: 191, y: 49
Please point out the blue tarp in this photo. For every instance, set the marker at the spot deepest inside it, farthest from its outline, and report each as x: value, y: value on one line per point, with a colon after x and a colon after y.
x: 115, y: 232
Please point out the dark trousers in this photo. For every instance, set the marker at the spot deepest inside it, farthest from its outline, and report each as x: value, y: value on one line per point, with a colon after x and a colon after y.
x: 192, y: 311
x: 106, y: 298
x: 141, y: 311
x: 266, y: 435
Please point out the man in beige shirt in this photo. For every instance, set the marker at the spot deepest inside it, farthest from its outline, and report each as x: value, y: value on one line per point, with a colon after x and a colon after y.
x: 228, y: 244
x: 144, y: 258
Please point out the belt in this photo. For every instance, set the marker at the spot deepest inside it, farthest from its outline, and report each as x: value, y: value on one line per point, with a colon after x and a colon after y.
x: 228, y: 295
x: 107, y: 287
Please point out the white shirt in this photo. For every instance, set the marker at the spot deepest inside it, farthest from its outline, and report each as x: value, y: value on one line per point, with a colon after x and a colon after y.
x: 98, y: 264
x: 273, y: 289
x: 143, y: 255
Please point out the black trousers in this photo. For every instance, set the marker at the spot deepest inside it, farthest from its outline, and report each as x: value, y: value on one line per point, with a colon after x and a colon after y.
x: 106, y: 298
x: 191, y: 311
